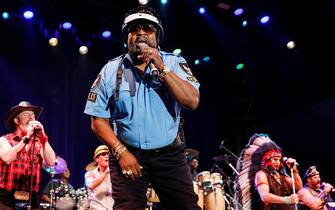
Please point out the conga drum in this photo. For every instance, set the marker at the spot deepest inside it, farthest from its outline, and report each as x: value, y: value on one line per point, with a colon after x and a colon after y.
x: 199, y: 192
x: 206, y: 185
x: 219, y: 191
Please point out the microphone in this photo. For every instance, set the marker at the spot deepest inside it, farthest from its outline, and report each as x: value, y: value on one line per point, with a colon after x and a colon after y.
x: 222, y: 144
x: 153, y: 70
x: 292, y: 164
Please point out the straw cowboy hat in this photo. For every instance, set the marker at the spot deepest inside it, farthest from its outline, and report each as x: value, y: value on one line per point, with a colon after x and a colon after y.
x: 100, y: 149
x: 15, y: 110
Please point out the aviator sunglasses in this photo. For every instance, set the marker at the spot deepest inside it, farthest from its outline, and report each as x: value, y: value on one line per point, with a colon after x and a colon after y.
x: 145, y: 27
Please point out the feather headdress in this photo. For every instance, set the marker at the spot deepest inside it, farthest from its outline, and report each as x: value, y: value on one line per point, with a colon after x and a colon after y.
x: 249, y: 162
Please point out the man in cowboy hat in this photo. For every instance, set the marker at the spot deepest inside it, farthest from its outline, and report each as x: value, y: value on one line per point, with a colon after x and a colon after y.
x: 21, y: 155
x: 98, y: 182
x: 315, y: 194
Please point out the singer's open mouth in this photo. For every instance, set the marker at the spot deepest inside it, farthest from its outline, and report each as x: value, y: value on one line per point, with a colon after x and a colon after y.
x: 141, y: 40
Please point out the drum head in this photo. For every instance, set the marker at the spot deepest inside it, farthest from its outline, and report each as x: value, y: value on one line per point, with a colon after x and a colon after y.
x: 65, y: 203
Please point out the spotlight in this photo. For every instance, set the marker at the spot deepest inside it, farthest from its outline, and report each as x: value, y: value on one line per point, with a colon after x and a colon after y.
x: 290, y: 44
x: 244, y: 23
x: 238, y: 12
x: 202, y: 10
x: 206, y: 59
x: 53, y: 42
x: 164, y: 1
x: 28, y: 14
x: 197, y: 62
x: 222, y: 5
x: 5, y: 15
x: 83, y: 50
x: 67, y: 25
x: 239, y: 66
x: 106, y: 34
x: 264, y: 19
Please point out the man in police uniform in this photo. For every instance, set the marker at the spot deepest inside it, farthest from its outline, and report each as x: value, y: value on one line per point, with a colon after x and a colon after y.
x: 142, y: 92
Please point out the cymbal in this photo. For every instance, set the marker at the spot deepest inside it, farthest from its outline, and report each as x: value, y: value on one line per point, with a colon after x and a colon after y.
x: 59, y: 168
x: 223, y: 158
x: 191, y: 152
x: 92, y: 165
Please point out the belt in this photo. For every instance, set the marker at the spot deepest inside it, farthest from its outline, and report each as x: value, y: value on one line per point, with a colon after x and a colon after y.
x: 159, y: 151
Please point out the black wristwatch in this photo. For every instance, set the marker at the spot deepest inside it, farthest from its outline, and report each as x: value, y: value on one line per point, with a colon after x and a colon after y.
x: 25, y: 140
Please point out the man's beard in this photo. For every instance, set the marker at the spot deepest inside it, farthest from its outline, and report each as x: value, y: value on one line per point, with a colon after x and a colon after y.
x: 134, y: 49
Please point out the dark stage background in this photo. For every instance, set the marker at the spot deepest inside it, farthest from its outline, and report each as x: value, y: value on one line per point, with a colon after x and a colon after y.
x: 288, y: 94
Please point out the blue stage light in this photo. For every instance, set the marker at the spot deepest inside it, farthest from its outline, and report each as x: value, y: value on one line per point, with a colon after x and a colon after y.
x: 28, y: 14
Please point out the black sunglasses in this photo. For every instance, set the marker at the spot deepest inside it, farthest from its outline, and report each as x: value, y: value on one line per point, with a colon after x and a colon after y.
x: 103, y: 154
x: 145, y: 27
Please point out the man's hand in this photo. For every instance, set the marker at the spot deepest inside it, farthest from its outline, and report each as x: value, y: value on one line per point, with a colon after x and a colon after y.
x: 129, y: 165
x: 36, y: 128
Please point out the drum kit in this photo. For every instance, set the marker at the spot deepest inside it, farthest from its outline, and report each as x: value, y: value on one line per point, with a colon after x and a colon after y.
x: 208, y: 186
x: 64, y: 197
x: 214, y: 192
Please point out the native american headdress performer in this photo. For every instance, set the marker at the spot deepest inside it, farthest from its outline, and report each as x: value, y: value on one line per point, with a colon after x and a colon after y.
x: 256, y: 156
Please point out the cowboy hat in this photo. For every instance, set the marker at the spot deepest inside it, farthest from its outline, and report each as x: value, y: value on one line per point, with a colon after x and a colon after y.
x: 100, y: 149
x: 15, y: 110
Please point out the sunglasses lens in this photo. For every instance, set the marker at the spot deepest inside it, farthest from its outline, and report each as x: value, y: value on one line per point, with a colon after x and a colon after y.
x: 144, y: 27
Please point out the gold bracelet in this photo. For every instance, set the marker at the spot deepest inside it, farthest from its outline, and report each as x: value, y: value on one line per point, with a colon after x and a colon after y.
x: 164, y: 72
x: 119, y: 152
x: 116, y: 145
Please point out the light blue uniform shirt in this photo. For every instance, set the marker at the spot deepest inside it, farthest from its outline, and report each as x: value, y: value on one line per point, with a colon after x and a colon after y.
x: 150, y: 118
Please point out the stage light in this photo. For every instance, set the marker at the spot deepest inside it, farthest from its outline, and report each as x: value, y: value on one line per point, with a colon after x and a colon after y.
x: 28, y: 14
x: 83, y: 50
x: 67, y: 25
x: 264, y: 19
x: 197, y: 62
x: 177, y: 51
x: 238, y: 12
x: 143, y: 2
x: 290, y: 44
x: 206, y: 59
x: 202, y: 10
x: 164, y: 1
x: 239, y: 66
x: 5, y: 15
x: 106, y: 34
x: 53, y: 42
x: 244, y: 23
x: 222, y: 5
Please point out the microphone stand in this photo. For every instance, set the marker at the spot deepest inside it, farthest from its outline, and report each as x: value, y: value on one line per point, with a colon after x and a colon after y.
x: 225, y: 148
x: 233, y: 168
x: 52, y: 191
x: 32, y: 170
x: 293, y: 187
